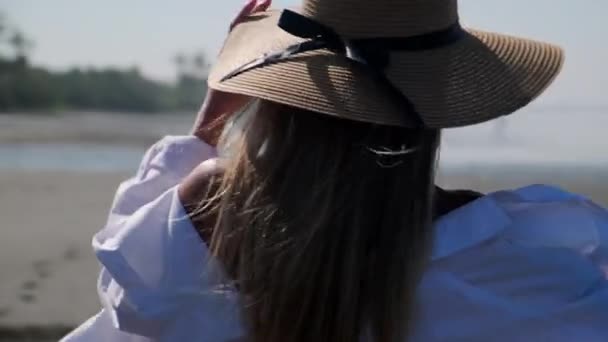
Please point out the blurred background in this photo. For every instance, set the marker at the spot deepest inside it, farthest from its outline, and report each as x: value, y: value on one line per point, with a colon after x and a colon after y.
x: 86, y: 86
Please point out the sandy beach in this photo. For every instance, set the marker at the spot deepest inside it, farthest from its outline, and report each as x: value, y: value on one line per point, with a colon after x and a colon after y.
x: 48, y: 272
x: 47, y: 269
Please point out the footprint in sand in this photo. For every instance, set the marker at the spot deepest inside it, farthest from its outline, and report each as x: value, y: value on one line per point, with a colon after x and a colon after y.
x: 72, y: 253
x: 29, y: 285
x: 5, y: 311
x: 28, y: 289
x: 42, y: 268
x: 27, y: 298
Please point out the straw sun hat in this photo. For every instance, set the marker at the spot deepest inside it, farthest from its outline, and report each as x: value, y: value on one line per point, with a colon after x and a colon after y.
x: 394, y: 62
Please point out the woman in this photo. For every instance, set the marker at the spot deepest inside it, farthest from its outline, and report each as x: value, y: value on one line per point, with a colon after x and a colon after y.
x: 321, y: 222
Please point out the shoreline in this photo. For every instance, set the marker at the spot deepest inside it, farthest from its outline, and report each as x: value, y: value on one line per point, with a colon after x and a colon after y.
x: 92, y: 127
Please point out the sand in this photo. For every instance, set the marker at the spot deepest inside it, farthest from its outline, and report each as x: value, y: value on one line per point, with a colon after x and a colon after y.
x: 48, y: 273
x: 47, y: 270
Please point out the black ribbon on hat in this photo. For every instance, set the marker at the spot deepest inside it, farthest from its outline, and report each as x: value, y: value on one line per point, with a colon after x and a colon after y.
x: 372, y: 53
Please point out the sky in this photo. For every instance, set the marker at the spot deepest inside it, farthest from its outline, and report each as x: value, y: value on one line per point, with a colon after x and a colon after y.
x: 149, y: 33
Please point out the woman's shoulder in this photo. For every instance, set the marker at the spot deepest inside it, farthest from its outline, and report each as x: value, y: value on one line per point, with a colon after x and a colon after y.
x: 513, y: 258
x: 537, y: 193
x: 548, y: 216
x: 535, y: 215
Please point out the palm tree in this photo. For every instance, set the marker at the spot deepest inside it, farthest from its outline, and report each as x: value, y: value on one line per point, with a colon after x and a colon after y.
x: 181, y: 62
x: 200, y: 64
x: 2, y: 29
x: 2, y: 24
x: 21, y: 44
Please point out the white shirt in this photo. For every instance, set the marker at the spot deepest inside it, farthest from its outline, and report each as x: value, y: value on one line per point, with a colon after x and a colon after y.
x: 522, y: 265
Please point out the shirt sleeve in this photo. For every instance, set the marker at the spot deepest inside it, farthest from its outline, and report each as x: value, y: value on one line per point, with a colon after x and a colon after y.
x: 163, y: 166
x: 156, y: 271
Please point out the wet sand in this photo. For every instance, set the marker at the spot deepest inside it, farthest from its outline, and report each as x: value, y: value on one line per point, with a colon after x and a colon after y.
x: 47, y: 270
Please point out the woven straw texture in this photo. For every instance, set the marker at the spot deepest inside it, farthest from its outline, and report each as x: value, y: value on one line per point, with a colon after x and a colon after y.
x: 483, y: 76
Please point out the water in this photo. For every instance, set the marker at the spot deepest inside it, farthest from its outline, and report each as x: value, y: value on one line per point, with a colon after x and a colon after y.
x: 69, y: 157
x: 537, y: 140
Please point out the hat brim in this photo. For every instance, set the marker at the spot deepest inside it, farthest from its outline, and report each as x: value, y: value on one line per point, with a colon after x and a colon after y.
x: 480, y: 77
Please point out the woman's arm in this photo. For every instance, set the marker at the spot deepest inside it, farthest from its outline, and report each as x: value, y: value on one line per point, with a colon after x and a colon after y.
x: 158, y: 281
x: 155, y: 268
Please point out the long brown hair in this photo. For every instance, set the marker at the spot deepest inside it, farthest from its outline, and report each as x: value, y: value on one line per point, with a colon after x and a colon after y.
x: 323, y: 224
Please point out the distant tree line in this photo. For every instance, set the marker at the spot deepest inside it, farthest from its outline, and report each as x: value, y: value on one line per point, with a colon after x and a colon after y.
x: 27, y: 87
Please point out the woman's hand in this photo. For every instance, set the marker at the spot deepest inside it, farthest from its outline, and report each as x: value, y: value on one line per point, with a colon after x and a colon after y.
x: 220, y: 105
x: 209, y: 124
